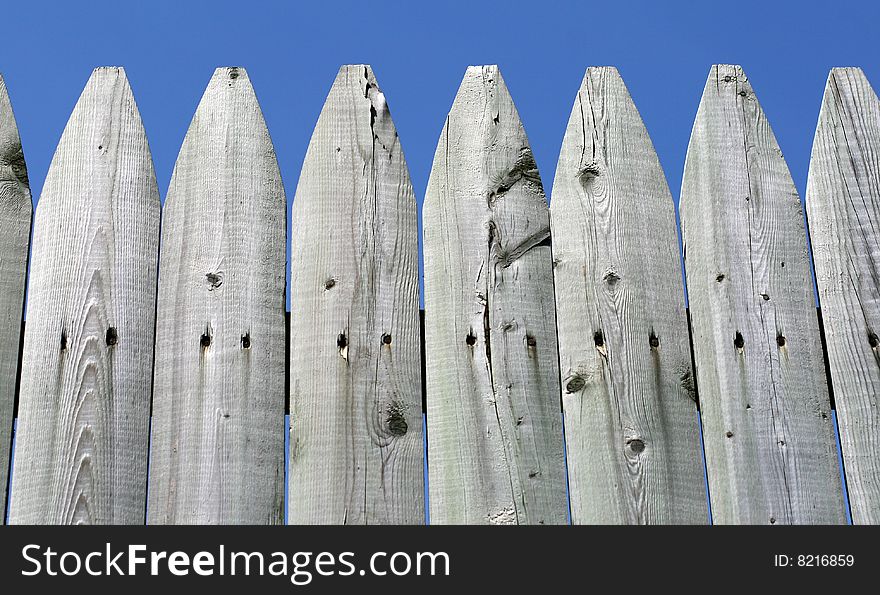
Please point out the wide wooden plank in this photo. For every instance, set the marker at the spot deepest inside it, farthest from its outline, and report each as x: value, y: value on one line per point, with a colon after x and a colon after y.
x: 631, y: 421
x: 81, y: 450
x: 218, y: 407
x: 495, y: 447
x: 15, y: 231
x: 356, y: 445
x: 843, y: 209
x: 769, y: 437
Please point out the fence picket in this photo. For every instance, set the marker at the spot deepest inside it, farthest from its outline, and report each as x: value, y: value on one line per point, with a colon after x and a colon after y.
x: 843, y: 209
x: 356, y: 450
x: 495, y: 446
x: 631, y: 427
x: 769, y: 437
x: 15, y: 221
x: 81, y: 451
x: 218, y: 407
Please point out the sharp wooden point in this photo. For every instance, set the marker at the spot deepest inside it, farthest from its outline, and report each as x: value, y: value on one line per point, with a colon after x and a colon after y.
x: 841, y: 73
x: 232, y: 77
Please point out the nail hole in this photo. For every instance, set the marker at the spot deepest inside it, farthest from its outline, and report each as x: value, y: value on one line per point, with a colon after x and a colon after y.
x: 471, y: 339
x: 233, y: 73
x: 111, y: 338
x: 530, y: 341
x: 727, y: 79
x: 63, y: 340
x: 205, y: 340
x: 342, y: 341
x: 729, y: 434
x: 654, y: 340
x: 329, y: 283
x: 742, y: 93
x: 246, y: 341
x: 386, y: 339
x: 720, y: 277
x: 738, y: 341
x: 599, y: 339
x: 765, y: 296
x: 780, y: 340
x: 772, y: 521
x: 100, y: 147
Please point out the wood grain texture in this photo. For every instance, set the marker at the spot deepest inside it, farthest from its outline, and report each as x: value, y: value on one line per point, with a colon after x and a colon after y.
x: 495, y: 446
x: 81, y: 450
x: 843, y: 209
x: 631, y: 425
x: 15, y: 234
x: 769, y: 438
x: 218, y: 407
x: 356, y: 445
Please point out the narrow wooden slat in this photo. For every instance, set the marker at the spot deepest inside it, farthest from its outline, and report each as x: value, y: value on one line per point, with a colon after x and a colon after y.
x: 81, y: 451
x: 631, y: 426
x: 356, y: 450
x: 218, y: 407
x: 771, y: 455
x: 15, y: 230
x: 495, y: 447
x: 843, y: 208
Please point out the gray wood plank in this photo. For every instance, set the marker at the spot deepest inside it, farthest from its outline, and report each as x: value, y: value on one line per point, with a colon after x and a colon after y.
x: 495, y: 446
x: 15, y: 231
x: 631, y: 425
x: 356, y: 443
x: 769, y: 437
x: 843, y: 209
x: 218, y: 406
x: 81, y: 450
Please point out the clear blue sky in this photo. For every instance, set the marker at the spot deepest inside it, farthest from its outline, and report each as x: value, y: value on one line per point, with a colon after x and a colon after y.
x: 419, y: 51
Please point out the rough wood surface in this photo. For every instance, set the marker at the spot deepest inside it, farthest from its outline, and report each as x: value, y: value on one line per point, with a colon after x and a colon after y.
x: 81, y: 450
x: 631, y: 426
x: 771, y: 455
x: 218, y: 406
x: 495, y: 446
x: 15, y: 230
x: 843, y: 208
x: 356, y: 450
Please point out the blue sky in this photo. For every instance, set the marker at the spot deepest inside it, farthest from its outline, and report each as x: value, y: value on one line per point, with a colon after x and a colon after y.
x: 419, y: 51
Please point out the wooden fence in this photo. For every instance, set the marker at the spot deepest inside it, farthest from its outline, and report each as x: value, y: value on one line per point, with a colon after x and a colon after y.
x: 561, y: 377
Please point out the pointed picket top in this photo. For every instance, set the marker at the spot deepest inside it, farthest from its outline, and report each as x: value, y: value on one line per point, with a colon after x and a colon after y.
x: 15, y: 217
x: 356, y: 441
x: 494, y: 427
x: 633, y: 441
x: 81, y: 449
x: 217, y: 452
x: 843, y: 209
x: 771, y: 456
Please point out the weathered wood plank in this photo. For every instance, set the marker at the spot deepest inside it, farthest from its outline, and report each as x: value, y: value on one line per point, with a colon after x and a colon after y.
x: 771, y: 455
x: 15, y: 231
x: 631, y: 426
x: 81, y: 451
x: 356, y: 449
x: 218, y: 407
x: 843, y: 209
x: 495, y: 447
